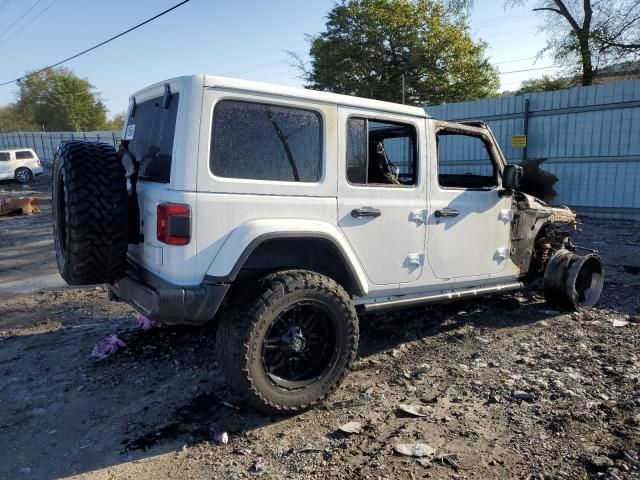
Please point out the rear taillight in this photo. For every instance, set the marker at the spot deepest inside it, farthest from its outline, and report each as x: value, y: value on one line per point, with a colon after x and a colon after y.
x: 174, y: 223
x: 38, y: 163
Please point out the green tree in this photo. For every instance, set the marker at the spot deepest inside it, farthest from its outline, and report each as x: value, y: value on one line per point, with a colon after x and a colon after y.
x: 12, y: 121
x: 57, y: 100
x: 116, y: 123
x: 545, y: 83
x: 370, y: 45
x: 591, y: 33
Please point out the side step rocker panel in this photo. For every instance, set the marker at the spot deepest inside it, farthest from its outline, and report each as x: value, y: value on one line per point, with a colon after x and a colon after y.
x: 409, y: 302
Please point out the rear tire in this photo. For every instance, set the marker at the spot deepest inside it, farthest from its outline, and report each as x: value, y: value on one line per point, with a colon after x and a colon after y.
x: 90, y: 213
x: 23, y: 175
x: 290, y: 344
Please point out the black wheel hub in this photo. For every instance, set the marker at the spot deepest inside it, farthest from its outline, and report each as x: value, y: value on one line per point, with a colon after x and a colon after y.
x: 294, y: 339
x: 299, y: 346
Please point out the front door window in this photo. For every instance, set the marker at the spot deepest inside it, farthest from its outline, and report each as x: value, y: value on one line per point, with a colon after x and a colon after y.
x: 464, y: 161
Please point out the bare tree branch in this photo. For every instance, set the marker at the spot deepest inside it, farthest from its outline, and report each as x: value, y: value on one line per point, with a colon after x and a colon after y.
x: 624, y: 27
x: 296, y: 61
x: 547, y: 8
x: 564, y: 11
x: 625, y: 46
x: 598, y: 32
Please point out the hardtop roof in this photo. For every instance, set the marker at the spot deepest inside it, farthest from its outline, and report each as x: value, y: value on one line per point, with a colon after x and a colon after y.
x: 215, y: 81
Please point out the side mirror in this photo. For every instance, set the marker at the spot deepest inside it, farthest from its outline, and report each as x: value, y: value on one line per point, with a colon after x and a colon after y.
x: 512, y: 177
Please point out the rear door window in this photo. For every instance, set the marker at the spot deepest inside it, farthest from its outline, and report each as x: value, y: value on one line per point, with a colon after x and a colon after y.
x: 266, y: 142
x: 23, y: 155
x: 4, y: 157
x: 381, y: 153
x: 151, y: 129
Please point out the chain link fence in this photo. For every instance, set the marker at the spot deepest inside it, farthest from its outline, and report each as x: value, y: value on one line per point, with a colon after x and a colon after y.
x: 46, y: 143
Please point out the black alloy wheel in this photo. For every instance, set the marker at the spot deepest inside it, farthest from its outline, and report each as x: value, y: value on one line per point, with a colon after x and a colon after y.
x: 287, y: 341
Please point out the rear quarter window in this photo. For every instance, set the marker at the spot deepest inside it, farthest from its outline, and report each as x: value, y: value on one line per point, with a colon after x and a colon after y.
x: 263, y: 141
x: 153, y: 130
x: 23, y: 155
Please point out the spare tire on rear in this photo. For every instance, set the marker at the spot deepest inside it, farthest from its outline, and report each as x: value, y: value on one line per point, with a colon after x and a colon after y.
x: 90, y: 213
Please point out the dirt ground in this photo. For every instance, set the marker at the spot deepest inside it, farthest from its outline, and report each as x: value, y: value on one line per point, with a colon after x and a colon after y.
x: 153, y: 409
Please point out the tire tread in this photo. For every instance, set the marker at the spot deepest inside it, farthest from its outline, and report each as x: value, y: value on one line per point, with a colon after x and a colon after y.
x: 236, y: 326
x: 96, y: 214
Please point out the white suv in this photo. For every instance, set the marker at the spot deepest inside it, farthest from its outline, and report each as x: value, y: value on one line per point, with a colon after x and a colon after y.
x: 283, y: 214
x: 20, y: 164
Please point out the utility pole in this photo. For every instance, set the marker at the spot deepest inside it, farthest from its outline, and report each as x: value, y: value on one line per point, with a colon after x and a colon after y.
x: 403, y: 88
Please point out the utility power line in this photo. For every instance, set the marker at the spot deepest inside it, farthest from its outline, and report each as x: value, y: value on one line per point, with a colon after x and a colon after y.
x: 514, y: 60
x: 498, y: 23
x: 21, y: 17
x: 272, y: 65
x: 532, y: 69
x: 503, y: 18
x: 497, y: 34
x: 4, y: 40
x: 97, y: 45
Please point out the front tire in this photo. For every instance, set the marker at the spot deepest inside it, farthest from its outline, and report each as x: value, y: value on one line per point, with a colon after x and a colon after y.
x: 23, y: 175
x: 290, y: 345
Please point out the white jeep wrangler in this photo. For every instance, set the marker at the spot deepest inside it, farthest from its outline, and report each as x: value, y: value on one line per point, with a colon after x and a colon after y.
x: 283, y: 213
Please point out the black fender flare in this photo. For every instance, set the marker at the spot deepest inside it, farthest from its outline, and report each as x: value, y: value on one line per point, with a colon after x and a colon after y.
x: 358, y: 290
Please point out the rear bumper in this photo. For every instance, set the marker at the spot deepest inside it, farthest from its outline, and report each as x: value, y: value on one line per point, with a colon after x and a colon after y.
x: 165, y: 302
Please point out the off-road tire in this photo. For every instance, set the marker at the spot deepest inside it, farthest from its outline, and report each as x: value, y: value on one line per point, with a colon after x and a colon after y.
x: 243, y: 326
x: 23, y: 175
x: 90, y: 213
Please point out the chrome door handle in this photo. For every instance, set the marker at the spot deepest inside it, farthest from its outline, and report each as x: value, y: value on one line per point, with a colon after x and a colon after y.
x: 365, y: 212
x: 446, y: 212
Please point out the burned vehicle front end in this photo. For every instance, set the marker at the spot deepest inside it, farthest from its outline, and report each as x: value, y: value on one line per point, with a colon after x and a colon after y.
x: 542, y: 247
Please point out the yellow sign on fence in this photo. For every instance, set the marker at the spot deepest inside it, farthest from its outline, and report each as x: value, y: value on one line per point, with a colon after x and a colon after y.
x: 518, y: 141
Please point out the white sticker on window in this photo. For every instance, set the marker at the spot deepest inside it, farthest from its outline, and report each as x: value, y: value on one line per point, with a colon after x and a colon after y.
x: 128, y: 134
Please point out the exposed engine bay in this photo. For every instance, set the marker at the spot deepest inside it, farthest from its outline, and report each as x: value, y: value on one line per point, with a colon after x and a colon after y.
x: 541, y: 246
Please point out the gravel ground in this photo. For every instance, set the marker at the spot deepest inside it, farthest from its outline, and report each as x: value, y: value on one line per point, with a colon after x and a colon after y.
x: 507, y: 387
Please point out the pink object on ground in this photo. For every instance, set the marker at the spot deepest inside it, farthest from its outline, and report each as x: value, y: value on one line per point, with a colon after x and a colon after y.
x: 107, y: 346
x: 145, y: 323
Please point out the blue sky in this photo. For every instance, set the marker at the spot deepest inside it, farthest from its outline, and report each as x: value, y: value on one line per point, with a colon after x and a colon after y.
x: 241, y: 38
